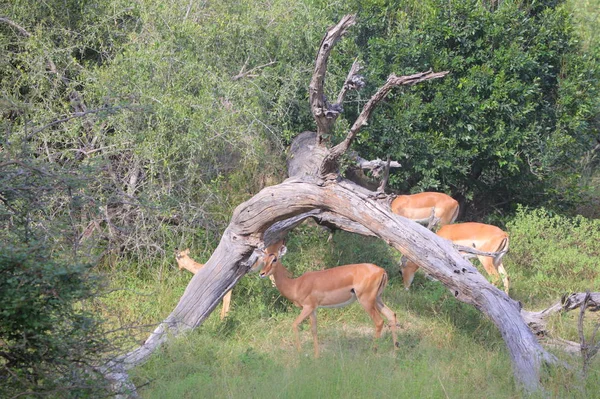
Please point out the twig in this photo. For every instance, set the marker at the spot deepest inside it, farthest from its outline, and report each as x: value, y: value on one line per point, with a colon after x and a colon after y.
x: 18, y: 27
x: 444, y: 388
x: 72, y: 116
x: 248, y: 74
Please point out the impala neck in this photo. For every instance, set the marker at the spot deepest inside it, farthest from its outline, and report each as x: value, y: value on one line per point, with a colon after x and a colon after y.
x: 282, y: 279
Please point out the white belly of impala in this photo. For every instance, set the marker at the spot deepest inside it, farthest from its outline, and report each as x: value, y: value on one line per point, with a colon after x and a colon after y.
x: 341, y: 304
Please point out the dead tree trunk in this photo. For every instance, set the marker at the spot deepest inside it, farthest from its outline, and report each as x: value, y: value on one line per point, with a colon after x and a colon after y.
x: 315, y: 190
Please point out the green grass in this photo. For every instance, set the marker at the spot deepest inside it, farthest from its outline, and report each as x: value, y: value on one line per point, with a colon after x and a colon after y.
x: 447, y: 348
x: 436, y: 358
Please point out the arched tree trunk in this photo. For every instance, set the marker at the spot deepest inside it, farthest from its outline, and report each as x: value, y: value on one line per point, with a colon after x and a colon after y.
x: 316, y: 190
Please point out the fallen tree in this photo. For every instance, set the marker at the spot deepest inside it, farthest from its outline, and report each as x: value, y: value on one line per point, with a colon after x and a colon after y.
x: 315, y: 190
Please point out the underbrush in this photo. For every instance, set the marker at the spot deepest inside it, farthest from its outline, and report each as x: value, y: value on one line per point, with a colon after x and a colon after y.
x: 551, y: 255
x: 447, y: 348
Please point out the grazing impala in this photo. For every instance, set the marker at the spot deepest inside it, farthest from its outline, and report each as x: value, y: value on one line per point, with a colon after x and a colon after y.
x: 483, y: 237
x: 335, y: 287
x: 185, y: 262
x: 423, y: 207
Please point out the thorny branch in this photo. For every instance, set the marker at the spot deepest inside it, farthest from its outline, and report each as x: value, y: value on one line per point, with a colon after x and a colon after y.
x: 248, y: 74
x: 18, y: 27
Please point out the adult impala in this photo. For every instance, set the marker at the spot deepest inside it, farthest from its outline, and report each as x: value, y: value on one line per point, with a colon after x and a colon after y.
x: 330, y: 288
x: 483, y: 237
x: 185, y: 262
x: 423, y: 207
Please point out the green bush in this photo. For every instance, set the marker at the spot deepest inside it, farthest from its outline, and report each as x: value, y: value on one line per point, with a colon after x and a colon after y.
x: 551, y: 254
x: 50, y: 340
x: 519, y: 105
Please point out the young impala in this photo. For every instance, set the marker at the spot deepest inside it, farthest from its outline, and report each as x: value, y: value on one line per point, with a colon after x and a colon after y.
x: 483, y: 237
x: 185, y: 262
x: 423, y: 207
x: 335, y: 287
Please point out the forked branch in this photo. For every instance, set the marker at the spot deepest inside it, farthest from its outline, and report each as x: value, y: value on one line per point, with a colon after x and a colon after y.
x: 324, y: 113
x: 330, y: 163
x: 250, y: 73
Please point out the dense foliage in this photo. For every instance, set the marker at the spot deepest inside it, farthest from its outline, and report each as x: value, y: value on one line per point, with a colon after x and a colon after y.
x: 141, y: 99
x: 176, y: 113
x: 554, y: 253
x: 130, y: 129
x: 52, y: 346
x: 512, y: 120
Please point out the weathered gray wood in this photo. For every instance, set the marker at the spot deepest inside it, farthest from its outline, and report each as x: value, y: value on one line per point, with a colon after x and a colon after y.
x: 538, y: 321
x: 230, y: 262
x: 325, y: 114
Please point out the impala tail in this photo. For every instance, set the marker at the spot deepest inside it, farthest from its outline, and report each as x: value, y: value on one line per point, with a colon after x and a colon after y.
x: 502, y: 250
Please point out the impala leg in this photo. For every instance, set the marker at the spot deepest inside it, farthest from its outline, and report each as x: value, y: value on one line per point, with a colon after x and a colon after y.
x: 226, y: 305
x: 370, y: 306
x: 391, y: 317
x: 306, y: 311
x: 313, y: 328
x: 488, y: 265
x: 505, y: 278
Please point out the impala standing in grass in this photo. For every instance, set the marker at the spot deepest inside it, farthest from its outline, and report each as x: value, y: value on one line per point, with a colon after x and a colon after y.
x: 329, y: 288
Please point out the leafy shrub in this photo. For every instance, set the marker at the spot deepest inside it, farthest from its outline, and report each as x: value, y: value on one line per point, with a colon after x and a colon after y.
x: 49, y: 340
x: 519, y: 105
x: 551, y: 254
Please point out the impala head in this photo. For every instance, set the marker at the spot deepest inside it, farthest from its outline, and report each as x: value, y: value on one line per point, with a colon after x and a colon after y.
x: 269, y: 256
x: 179, y: 255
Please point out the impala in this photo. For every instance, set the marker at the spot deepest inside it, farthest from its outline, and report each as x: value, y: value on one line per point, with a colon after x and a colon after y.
x: 483, y: 237
x: 424, y: 207
x: 185, y: 262
x: 330, y: 288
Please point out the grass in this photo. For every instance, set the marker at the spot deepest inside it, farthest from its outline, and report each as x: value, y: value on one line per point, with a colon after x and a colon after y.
x: 447, y: 348
x: 261, y: 361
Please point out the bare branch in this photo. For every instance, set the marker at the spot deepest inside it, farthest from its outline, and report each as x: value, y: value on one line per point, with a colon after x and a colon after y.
x: 248, y: 74
x: 354, y: 81
x: 376, y: 166
x: 473, y: 252
x: 324, y: 116
x: 72, y: 116
x: 330, y: 163
x: 434, y: 221
x: 584, y: 347
x: 537, y: 321
x: 386, y: 176
x: 18, y: 27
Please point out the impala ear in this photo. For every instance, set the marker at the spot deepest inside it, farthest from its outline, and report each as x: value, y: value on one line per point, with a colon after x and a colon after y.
x: 282, y: 250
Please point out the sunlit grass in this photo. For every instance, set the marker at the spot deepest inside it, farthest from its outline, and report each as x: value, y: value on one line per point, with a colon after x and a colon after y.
x: 447, y: 348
